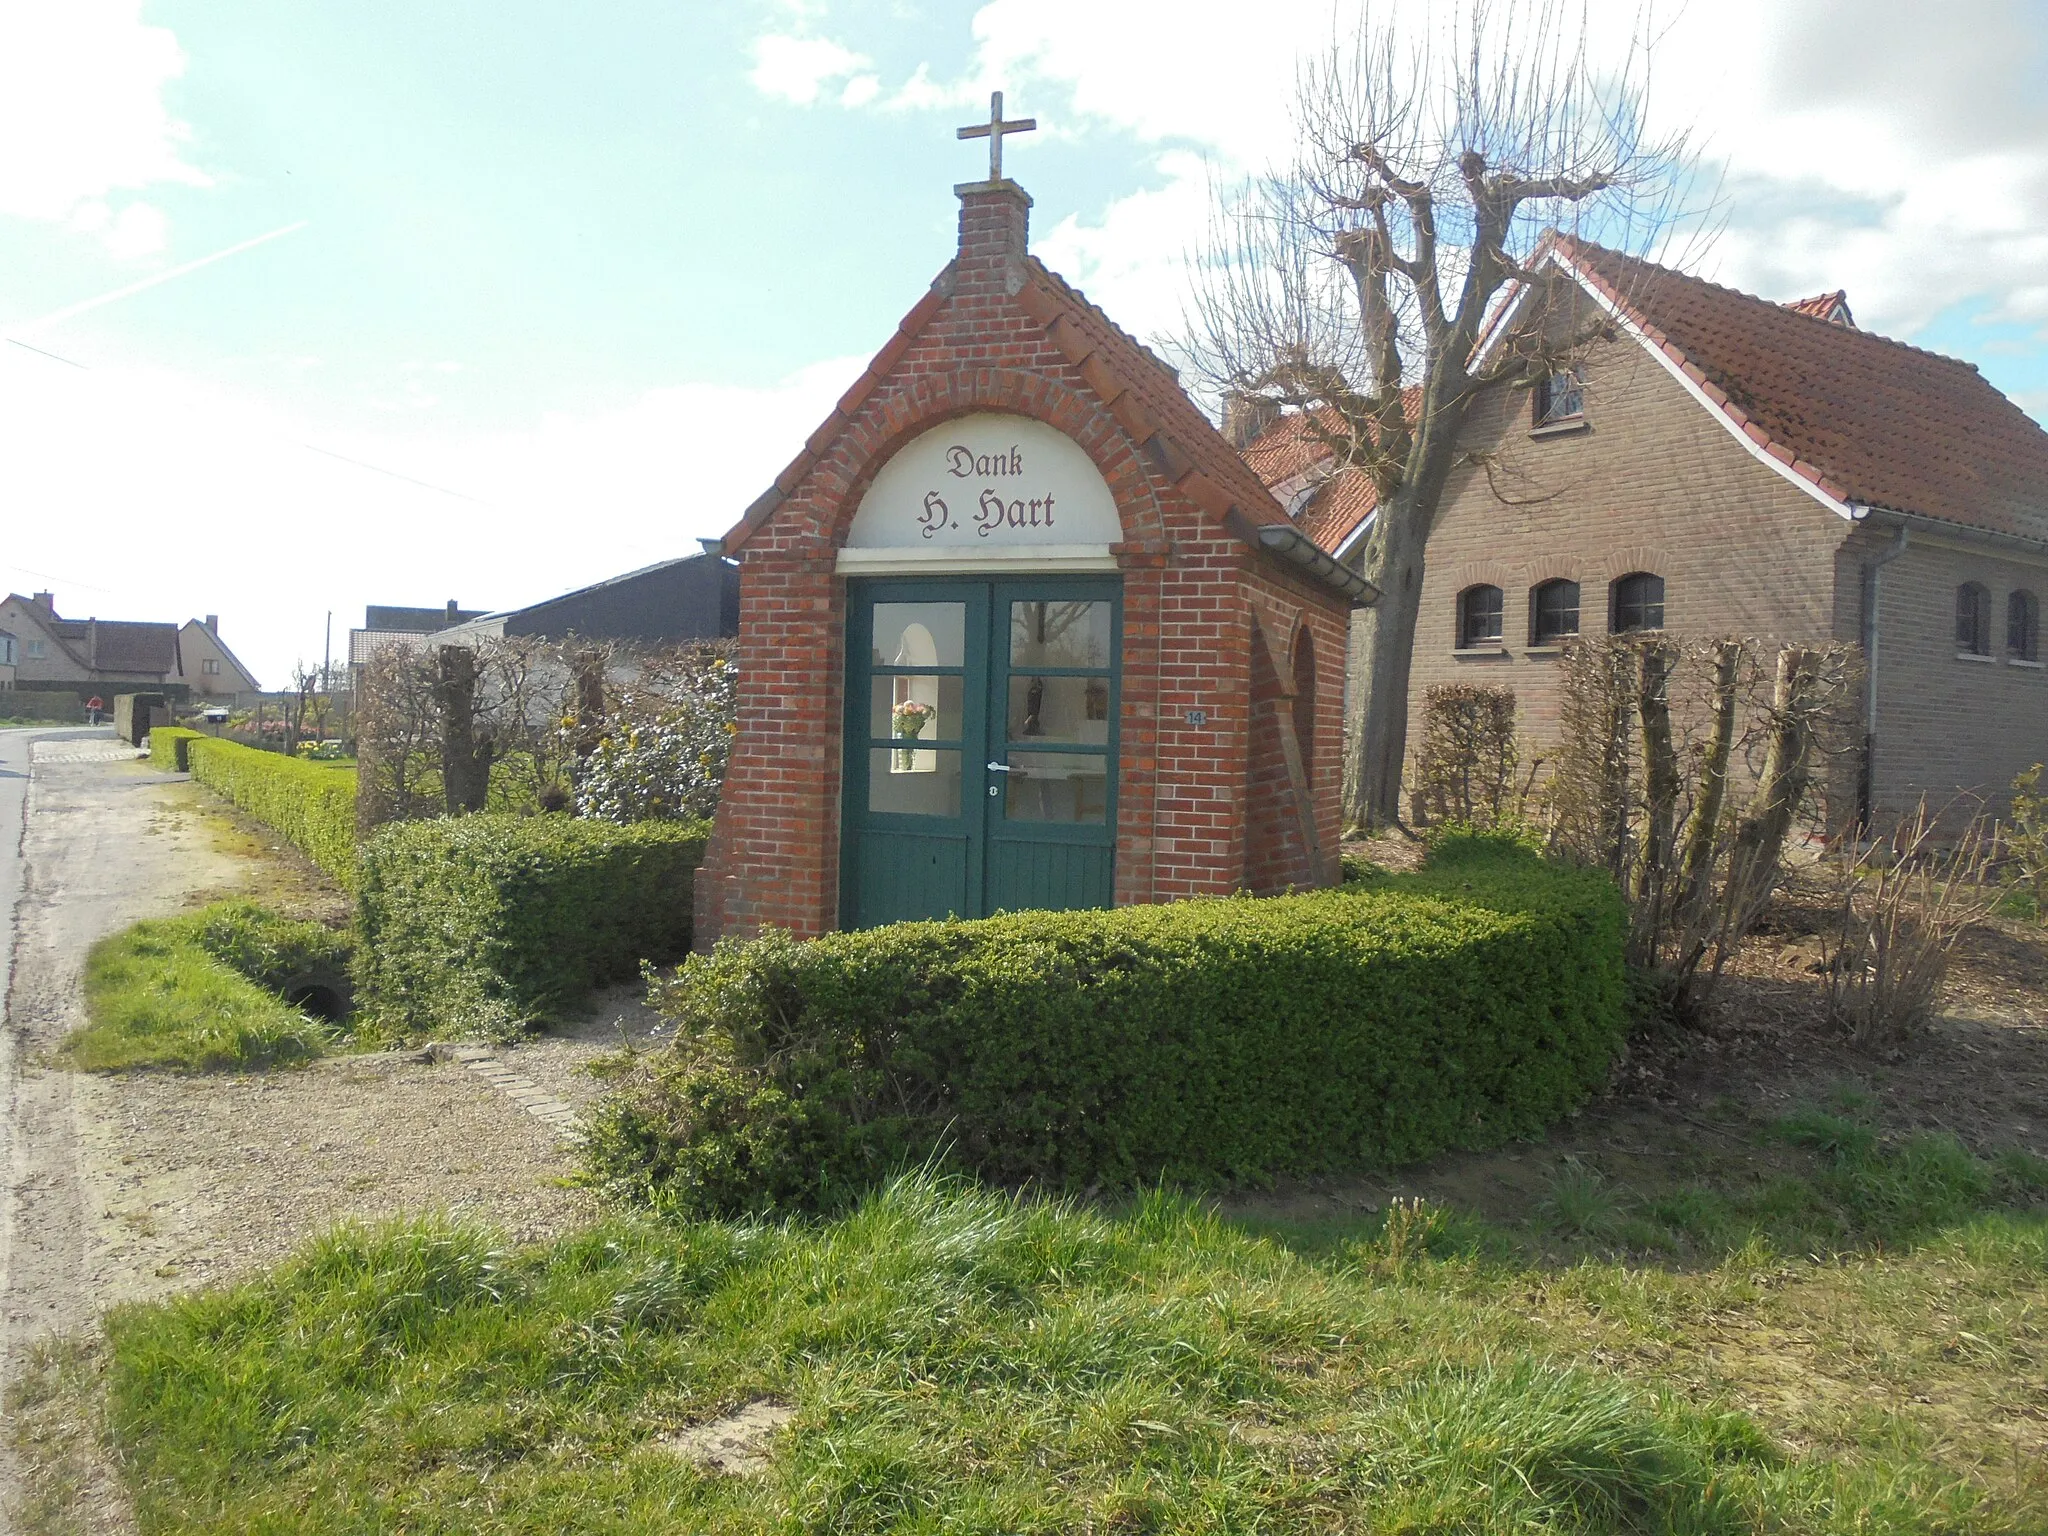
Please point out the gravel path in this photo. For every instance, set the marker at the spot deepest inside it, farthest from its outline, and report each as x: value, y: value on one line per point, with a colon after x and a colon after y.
x: 128, y: 1186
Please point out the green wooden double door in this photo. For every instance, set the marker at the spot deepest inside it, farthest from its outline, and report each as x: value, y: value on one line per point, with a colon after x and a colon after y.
x: 981, y: 747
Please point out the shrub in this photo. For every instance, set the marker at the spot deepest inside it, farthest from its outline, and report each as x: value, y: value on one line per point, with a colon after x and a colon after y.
x: 200, y: 992
x: 311, y: 805
x: 271, y: 950
x: 168, y: 745
x: 1465, y: 765
x: 488, y: 922
x: 1209, y: 1040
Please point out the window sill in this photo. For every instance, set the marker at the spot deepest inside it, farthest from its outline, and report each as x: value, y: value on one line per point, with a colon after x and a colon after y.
x: 1984, y: 661
x: 1480, y: 653
x: 1564, y: 428
x: 2021, y: 661
x: 1546, y: 649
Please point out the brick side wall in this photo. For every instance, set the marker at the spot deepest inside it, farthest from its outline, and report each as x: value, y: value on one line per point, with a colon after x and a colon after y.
x: 774, y: 858
x: 1947, y: 725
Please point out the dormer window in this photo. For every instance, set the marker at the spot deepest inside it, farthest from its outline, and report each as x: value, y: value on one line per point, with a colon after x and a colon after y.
x: 1559, y: 397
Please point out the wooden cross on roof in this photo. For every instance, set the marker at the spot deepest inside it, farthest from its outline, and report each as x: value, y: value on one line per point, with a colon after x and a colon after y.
x: 994, y: 129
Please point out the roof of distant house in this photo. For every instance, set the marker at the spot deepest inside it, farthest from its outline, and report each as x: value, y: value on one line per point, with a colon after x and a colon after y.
x: 107, y: 645
x: 421, y: 621
x: 1832, y: 307
x: 1292, y: 457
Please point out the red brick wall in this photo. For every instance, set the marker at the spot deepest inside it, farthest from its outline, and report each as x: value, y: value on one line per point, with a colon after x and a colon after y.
x: 774, y: 858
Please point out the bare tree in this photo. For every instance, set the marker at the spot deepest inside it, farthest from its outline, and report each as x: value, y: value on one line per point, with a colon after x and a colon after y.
x: 1358, y: 286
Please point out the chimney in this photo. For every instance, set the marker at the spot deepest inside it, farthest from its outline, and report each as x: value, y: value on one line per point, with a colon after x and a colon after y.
x: 48, y: 601
x: 213, y: 625
x: 995, y: 224
x: 453, y: 611
x: 1245, y: 417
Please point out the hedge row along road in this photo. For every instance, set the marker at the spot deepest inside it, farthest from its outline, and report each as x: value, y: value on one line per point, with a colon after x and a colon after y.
x: 311, y: 805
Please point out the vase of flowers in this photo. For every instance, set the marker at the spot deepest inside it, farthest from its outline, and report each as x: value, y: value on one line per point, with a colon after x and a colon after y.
x: 908, y: 721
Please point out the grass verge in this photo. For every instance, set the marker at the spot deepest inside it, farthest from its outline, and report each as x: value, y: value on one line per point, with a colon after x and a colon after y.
x: 205, y: 991
x: 963, y: 1360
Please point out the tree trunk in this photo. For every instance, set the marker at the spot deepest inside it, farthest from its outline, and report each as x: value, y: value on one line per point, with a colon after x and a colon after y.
x: 1760, y: 835
x: 1703, y: 828
x: 465, y: 764
x: 1382, y: 654
x: 1654, y: 661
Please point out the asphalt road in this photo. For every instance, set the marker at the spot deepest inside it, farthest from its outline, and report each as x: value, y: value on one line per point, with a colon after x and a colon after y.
x: 14, y: 765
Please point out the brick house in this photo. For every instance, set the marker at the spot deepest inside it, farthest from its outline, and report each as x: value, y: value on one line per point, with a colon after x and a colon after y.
x: 1018, y: 628
x: 1725, y: 465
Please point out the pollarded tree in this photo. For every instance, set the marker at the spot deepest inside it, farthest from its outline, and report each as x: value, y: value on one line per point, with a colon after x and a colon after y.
x: 1358, y: 286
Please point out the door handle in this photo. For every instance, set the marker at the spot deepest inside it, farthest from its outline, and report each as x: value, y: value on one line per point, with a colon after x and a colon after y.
x: 999, y: 768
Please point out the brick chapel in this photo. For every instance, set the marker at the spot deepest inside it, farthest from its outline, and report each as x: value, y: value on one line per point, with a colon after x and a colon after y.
x: 1018, y: 628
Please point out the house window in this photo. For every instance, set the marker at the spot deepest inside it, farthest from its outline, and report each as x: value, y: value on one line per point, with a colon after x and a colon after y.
x: 1479, y: 610
x: 6, y: 650
x: 1554, y: 613
x: 210, y: 666
x: 1637, y: 602
x: 1973, y: 619
x: 2023, y: 626
x: 1559, y: 396
x: 35, y: 650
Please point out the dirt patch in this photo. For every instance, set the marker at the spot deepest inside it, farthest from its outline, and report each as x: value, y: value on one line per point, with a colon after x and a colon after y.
x: 737, y: 1444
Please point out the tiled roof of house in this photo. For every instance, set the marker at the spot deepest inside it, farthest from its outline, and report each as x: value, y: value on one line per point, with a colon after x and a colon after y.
x: 1867, y: 420
x: 119, y: 645
x: 1336, y: 506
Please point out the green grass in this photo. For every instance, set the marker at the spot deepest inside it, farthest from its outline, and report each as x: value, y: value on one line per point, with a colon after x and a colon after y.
x: 190, y: 992
x: 963, y: 1360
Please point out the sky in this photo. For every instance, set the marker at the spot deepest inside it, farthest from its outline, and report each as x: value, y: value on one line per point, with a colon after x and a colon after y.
x: 520, y: 296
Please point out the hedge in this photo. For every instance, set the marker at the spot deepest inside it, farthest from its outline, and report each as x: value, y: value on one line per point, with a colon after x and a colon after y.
x: 310, y: 805
x: 1213, y: 1041
x: 168, y: 746
x: 485, y: 923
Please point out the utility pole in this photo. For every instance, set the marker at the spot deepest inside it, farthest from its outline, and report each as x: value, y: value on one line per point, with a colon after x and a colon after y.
x: 327, y: 657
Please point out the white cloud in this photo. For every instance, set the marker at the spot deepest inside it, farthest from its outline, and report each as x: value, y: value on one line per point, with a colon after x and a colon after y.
x: 183, y: 484
x: 797, y: 69
x: 82, y: 116
x: 1864, y: 148
x: 138, y: 230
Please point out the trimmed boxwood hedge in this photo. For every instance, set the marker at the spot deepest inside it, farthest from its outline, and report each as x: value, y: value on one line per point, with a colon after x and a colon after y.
x: 485, y: 923
x: 311, y: 805
x: 168, y: 745
x: 1213, y: 1041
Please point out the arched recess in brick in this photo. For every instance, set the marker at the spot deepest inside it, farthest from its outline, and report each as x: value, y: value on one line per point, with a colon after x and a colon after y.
x: 1303, y: 669
x: 893, y: 418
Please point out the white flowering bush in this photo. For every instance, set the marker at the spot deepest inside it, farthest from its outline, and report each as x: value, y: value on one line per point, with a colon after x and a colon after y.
x: 665, y: 743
